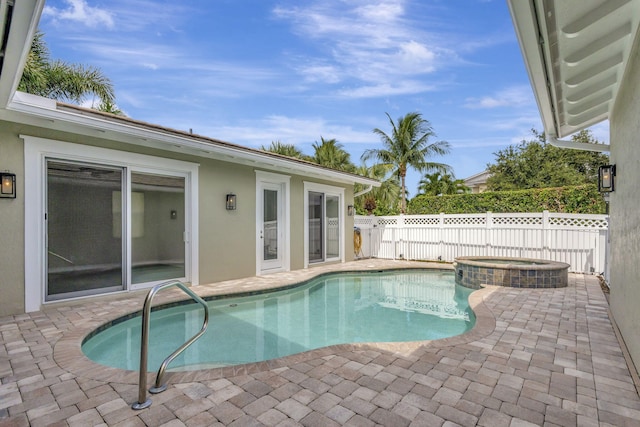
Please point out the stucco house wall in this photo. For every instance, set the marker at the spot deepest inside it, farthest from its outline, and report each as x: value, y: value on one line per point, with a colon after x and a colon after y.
x: 625, y: 208
x: 227, y: 239
x: 12, y: 228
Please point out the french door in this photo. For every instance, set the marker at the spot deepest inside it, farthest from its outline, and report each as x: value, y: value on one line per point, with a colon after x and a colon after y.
x: 272, y: 222
x: 109, y: 228
x: 271, y: 227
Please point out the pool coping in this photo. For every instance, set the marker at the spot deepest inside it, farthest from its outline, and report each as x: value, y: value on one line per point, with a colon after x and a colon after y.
x: 68, y: 353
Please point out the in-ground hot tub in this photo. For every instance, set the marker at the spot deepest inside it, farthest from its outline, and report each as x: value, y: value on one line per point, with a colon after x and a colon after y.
x: 475, y: 271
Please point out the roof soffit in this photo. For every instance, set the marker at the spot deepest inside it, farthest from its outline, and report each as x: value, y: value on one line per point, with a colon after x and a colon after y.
x: 585, y: 49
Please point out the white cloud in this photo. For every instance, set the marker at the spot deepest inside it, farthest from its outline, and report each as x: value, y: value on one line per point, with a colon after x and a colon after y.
x: 369, y: 47
x: 406, y: 87
x: 417, y: 57
x: 78, y: 11
x: 514, y: 96
x: 320, y: 73
x: 382, y: 11
x: 299, y: 131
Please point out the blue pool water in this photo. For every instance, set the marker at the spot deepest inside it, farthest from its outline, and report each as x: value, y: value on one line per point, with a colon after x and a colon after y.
x: 340, y: 308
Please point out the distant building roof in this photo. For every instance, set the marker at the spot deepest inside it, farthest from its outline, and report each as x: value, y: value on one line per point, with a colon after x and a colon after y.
x: 477, y: 179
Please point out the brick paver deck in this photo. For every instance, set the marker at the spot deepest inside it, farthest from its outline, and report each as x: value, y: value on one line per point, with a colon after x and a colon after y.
x: 536, y: 357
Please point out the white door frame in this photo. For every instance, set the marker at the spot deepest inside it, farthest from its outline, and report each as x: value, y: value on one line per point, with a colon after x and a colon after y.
x: 270, y: 180
x: 37, y: 150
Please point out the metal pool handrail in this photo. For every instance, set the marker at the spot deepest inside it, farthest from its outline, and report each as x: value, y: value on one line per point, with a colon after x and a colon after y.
x: 144, y: 402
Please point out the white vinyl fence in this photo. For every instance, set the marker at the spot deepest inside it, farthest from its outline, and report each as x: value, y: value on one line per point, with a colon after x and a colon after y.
x: 577, y: 239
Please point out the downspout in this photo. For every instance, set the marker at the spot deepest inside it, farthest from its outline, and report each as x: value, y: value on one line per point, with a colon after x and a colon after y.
x: 365, y: 191
x: 586, y: 146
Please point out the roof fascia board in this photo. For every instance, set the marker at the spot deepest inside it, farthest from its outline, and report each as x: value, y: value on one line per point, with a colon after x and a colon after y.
x: 24, y: 23
x: 27, y: 106
x: 531, y: 41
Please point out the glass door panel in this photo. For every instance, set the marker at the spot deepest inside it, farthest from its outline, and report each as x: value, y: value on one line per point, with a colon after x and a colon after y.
x: 316, y: 247
x: 84, y: 229
x: 332, y: 221
x: 157, y: 227
x: 270, y: 225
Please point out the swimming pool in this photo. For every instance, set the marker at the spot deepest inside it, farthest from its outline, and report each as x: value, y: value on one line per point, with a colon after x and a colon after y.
x: 392, y: 306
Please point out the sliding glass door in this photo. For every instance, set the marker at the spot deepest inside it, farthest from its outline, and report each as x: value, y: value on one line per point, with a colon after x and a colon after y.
x: 157, y: 228
x: 324, y: 227
x: 90, y: 211
x: 315, y: 226
x: 84, y: 230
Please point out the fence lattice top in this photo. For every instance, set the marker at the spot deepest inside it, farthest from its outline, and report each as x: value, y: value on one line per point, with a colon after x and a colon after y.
x: 533, y: 220
x: 598, y: 223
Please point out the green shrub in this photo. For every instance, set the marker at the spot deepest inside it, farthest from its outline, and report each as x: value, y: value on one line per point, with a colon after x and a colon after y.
x: 584, y: 199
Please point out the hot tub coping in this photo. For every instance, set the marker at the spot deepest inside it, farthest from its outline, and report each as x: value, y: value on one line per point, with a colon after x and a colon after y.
x: 535, y: 263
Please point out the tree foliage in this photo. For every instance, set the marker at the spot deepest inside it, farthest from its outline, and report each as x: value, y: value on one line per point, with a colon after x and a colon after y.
x: 63, y: 81
x: 330, y: 153
x: 584, y: 199
x: 437, y: 184
x: 288, y: 150
x: 382, y: 200
x: 408, y: 146
x: 538, y: 164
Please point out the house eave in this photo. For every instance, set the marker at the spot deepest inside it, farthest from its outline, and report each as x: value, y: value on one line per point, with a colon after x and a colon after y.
x: 18, y: 23
x: 576, y: 53
x: 47, y: 113
x: 528, y: 34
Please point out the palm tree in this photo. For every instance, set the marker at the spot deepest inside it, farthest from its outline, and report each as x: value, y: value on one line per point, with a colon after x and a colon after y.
x: 110, y: 107
x: 329, y: 153
x: 384, y: 197
x: 60, y: 80
x: 436, y: 184
x: 289, y: 150
x: 408, y: 146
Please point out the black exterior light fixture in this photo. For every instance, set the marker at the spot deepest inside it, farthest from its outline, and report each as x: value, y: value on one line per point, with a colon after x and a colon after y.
x: 231, y: 202
x: 350, y: 210
x: 606, y: 174
x: 7, y: 185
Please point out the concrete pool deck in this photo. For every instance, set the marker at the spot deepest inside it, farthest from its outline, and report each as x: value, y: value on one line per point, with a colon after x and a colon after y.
x: 536, y: 357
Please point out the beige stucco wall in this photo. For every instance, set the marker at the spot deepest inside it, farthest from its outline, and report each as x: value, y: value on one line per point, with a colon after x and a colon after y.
x: 12, y: 227
x: 625, y: 208
x: 227, y: 238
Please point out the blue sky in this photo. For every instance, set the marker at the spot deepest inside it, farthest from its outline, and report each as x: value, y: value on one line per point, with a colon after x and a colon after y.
x: 256, y: 71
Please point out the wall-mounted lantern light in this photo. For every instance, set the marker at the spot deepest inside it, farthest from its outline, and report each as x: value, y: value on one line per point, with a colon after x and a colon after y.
x: 7, y: 185
x: 350, y: 210
x: 231, y: 202
x: 605, y: 178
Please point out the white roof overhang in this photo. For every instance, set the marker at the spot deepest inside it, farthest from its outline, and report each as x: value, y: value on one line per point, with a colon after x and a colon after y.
x: 18, y: 23
x: 576, y: 53
x: 47, y: 113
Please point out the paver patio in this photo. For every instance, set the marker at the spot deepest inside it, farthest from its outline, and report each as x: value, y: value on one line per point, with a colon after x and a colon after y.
x: 536, y: 357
